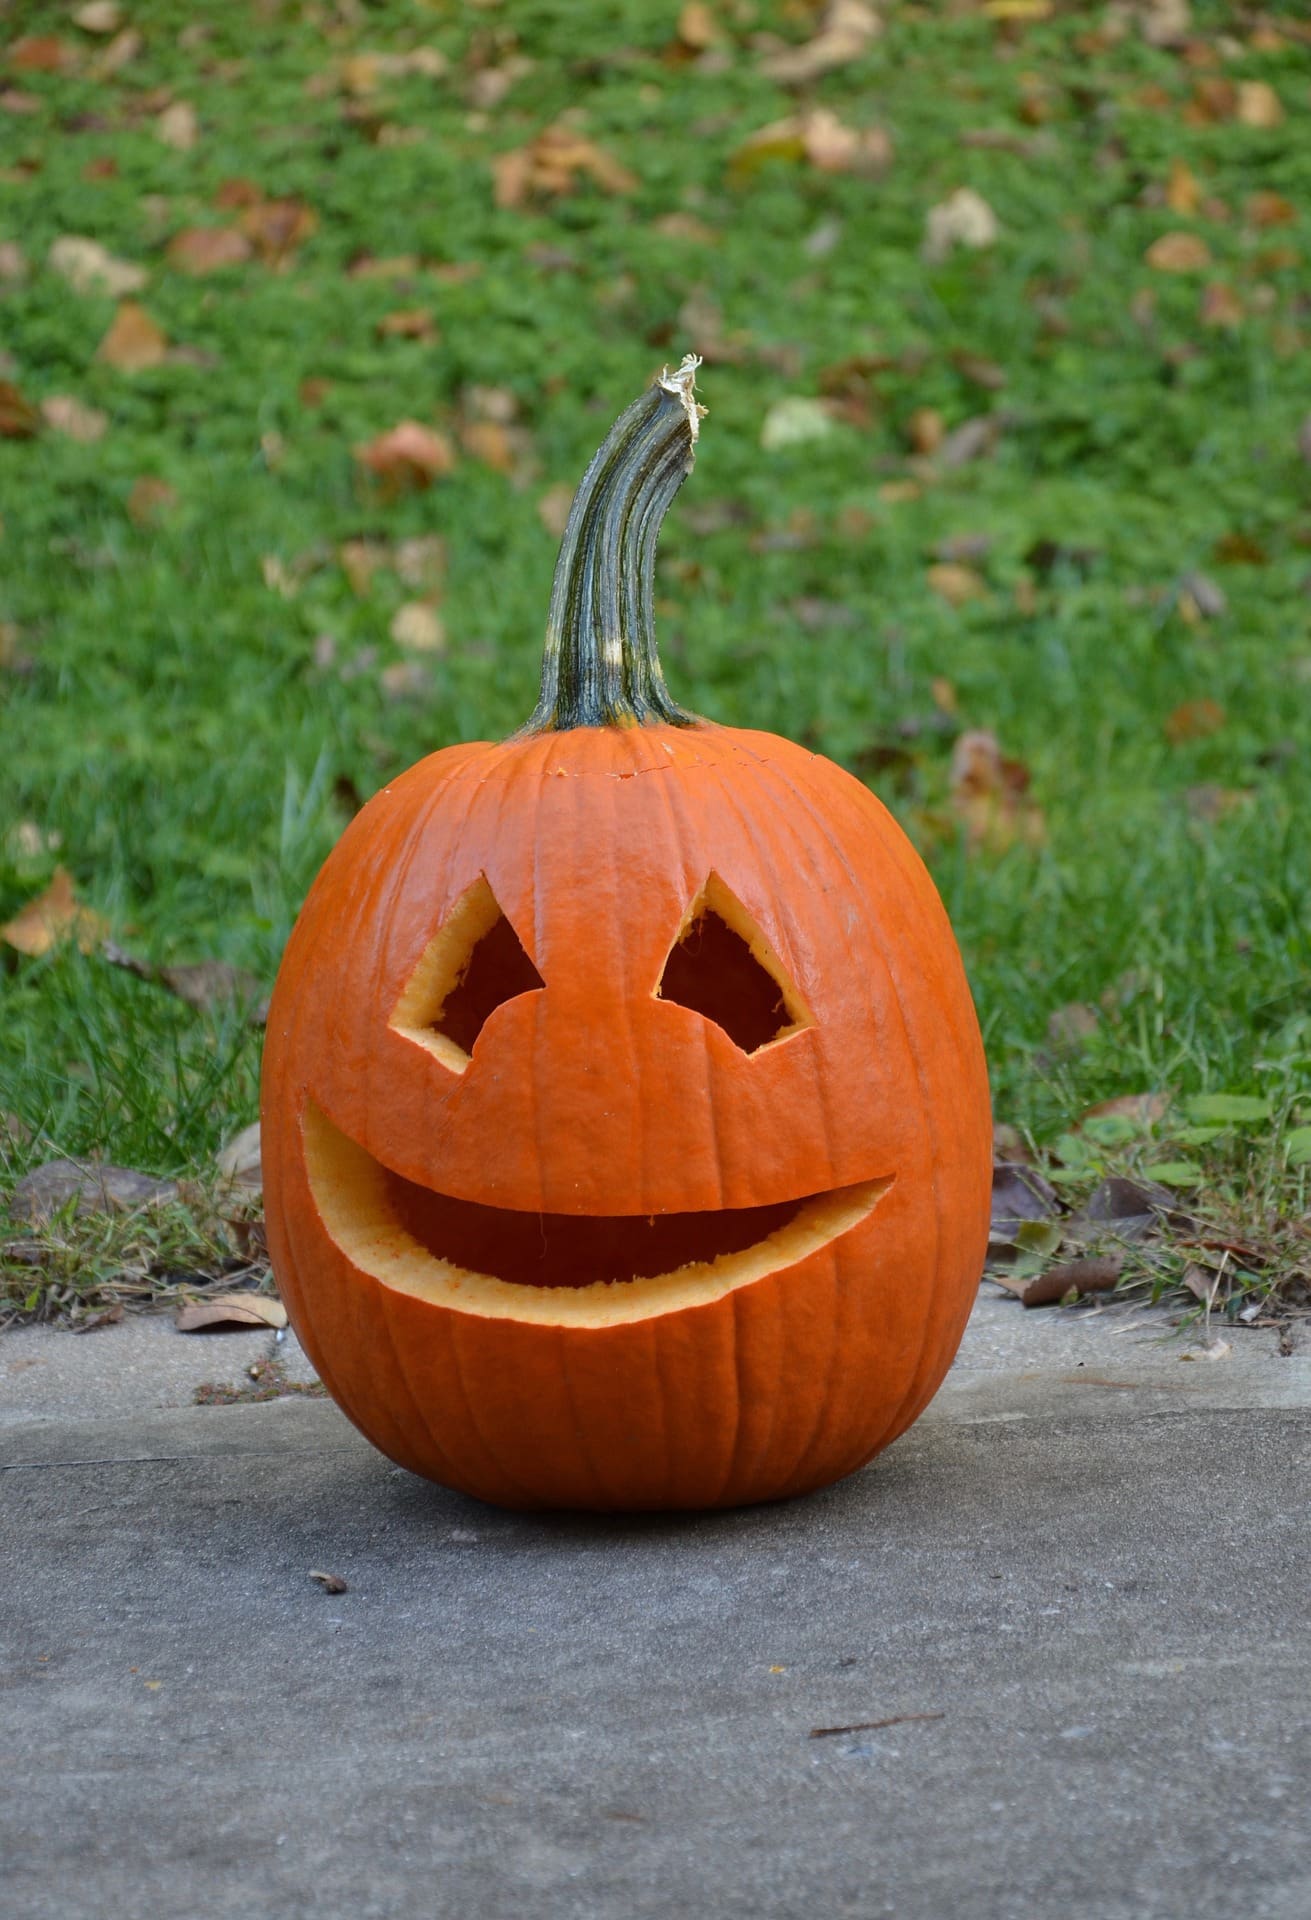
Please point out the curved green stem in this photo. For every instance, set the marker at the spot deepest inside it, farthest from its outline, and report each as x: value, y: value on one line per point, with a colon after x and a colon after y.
x: 600, y: 667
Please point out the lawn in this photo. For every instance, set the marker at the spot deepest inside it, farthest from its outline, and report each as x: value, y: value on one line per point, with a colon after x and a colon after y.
x: 1027, y: 464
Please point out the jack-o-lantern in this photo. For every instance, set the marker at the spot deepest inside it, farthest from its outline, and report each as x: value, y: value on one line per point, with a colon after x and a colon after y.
x: 626, y: 1123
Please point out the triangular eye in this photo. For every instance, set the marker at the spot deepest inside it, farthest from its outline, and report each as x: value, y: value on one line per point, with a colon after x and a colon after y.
x: 475, y: 963
x: 723, y: 967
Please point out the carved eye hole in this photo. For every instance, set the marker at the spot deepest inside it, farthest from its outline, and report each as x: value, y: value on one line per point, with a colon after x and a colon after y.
x: 474, y: 965
x: 722, y: 967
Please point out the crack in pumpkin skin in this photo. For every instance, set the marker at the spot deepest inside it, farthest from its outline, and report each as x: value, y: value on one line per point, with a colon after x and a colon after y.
x: 423, y: 1243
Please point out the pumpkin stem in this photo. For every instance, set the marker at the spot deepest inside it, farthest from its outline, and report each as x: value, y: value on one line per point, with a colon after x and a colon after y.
x: 600, y: 667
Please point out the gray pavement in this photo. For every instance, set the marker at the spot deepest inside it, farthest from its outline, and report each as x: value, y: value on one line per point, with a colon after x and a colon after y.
x: 1077, y: 1591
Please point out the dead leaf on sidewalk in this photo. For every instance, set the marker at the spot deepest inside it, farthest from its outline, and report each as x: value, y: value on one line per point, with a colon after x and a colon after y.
x: 330, y: 1582
x: 230, y: 1310
x: 53, y: 917
x: 1065, y: 1280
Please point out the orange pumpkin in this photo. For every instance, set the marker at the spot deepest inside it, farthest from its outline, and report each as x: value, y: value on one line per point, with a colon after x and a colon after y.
x: 626, y: 1123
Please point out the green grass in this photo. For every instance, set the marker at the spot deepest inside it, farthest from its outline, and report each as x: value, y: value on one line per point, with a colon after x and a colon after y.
x: 171, y: 723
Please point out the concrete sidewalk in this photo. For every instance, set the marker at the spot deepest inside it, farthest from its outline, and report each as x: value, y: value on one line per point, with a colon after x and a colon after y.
x: 1076, y: 1593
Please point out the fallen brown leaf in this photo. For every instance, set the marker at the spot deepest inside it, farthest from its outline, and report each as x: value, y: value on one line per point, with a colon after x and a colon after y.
x: 19, y: 419
x: 178, y: 126
x: 42, y: 53
x: 330, y: 1582
x: 818, y: 138
x: 407, y: 456
x: 490, y: 442
x: 1061, y: 1280
x: 86, y: 1186
x: 421, y: 561
x: 989, y: 795
x: 1270, y: 210
x: 1178, y: 253
x: 848, y: 27
x: 963, y: 219
x: 926, y: 429
x: 202, y: 250
x: 73, y: 418
x: 230, y: 1310
x: 1259, y: 105
x: 418, y: 627
x: 1183, y: 191
x: 13, y: 263
x: 99, y: 16
x: 553, y: 508
x: 149, y: 499
x: 408, y: 323
x: 238, y: 1163
x: 551, y: 165
x: 53, y: 917
x: 133, y: 342
x: 277, y: 228
x: 955, y: 583
x: 1221, y: 306
x: 1194, y: 720
x: 204, y: 984
x: 90, y: 268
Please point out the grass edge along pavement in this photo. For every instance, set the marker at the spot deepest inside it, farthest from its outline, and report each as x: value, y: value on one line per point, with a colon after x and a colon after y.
x: 1116, y: 484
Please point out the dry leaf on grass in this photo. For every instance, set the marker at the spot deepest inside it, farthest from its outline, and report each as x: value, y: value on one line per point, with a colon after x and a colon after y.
x: 1194, y: 720
x: 408, y: 323
x: 1259, y: 105
x: 205, y: 984
x: 846, y: 30
x: 19, y: 419
x: 990, y: 795
x: 277, y: 228
x: 42, y: 53
x: 99, y: 16
x: 133, y: 342
x: 53, y: 917
x: 408, y: 456
x: 1178, y: 253
x: 202, y: 250
x: 88, y: 1187
x: 820, y: 139
x: 73, y: 418
x: 1270, y: 210
x: 1183, y: 190
x: 1221, y: 306
x: 13, y: 263
x: 230, y: 1310
x: 238, y: 1163
x: 955, y: 583
x: 553, y: 506
x: 552, y: 164
x: 178, y: 127
x: 421, y: 561
x: 418, y: 627
x: 964, y: 219
x: 149, y: 499
x: 90, y: 268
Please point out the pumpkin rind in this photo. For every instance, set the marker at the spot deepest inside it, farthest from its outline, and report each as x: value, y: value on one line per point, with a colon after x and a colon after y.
x: 593, y: 1095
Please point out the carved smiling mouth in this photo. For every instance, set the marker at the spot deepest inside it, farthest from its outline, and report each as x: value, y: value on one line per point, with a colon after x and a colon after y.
x: 554, y: 1268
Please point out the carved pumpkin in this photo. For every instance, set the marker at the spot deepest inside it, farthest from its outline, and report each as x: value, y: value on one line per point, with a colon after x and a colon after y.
x: 626, y: 1124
